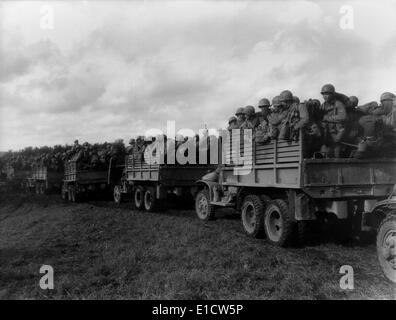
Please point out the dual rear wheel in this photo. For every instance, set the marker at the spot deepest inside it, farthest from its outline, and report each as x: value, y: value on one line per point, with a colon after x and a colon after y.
x: 263, y: 217
x: 145, y: 198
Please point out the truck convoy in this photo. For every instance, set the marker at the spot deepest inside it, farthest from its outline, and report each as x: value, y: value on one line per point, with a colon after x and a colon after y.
x: 279, y: 190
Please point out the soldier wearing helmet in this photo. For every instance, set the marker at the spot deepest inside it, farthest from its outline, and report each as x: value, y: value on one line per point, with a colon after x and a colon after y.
x: 277, y: 118
x: 297, y: 118
x: 333, y: 121
x: 232, y: 123
x: 131, y: 147
x: 353, y: 128
x: 376, y: 124
x: 251, y: 121
x: 240, y: 115
x: 384, y: 108
x: 264, y: 106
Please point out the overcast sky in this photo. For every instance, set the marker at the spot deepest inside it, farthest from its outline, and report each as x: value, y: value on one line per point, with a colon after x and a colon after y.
x: 112, y: 69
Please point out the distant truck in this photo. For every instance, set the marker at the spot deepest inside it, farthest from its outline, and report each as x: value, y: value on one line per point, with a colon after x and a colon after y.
x: 43, y: 180
x: 15, y: 178
x: 150, y: 183
x: 284, y: 192
x: 79, y: 182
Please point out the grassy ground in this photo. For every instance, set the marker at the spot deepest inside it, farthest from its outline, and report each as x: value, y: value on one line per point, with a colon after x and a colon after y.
x: 99, y: 251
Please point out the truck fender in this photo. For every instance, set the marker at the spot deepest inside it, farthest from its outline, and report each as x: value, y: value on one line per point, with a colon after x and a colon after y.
x: 208, y: 184
x: 380, y: 211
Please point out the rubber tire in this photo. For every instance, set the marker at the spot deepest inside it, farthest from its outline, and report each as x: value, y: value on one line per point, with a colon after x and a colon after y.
x: 256, y: 204
x: 72, y: 194
x: 37, y: 188
x: 150, y: 206
x: 138, y: 205
x: 117, y: 194
x: 64, y: 193
x: 287, y: 234
x: 203, y: 196
x: 42, y: 188
x: 387, y: 225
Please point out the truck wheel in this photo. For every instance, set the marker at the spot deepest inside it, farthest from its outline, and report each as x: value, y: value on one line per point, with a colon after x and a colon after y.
x: 138, y: 197
x: 205, y: 211
x: 252, y: 214
x: 72, y: 194
x: 277, y: 224
x: 386, y: 247
x: 64, y: 193
x: 42, y: 188
x: 117, y: 194
x: 150, y: 200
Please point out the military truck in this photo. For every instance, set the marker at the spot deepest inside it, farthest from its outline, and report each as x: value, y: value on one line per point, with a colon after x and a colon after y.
x: 281, y: 190
x: 151, y: 184
x: 15, y: 179
x: 43, y: 180
x: 80, y: 182
x: 383, y: 219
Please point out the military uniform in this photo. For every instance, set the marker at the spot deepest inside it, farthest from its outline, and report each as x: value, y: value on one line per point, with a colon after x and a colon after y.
x: 334, y: 120
x: 277, y: 120
x: 298, y: 118
x: 251, y: 121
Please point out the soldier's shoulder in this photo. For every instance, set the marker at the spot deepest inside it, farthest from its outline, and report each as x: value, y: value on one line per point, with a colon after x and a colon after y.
x: 339, y: 103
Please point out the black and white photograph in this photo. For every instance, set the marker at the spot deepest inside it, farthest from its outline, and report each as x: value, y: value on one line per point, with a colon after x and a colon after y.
x: 201, y: 156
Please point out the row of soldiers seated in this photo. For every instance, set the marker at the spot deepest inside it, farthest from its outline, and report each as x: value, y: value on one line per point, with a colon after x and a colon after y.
x: 161, y: 143
x: 338, y: 127
x: 98, y: 155
x: 29, y: 158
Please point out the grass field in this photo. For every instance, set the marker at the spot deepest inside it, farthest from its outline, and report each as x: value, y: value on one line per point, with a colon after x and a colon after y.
x: 100, y: 251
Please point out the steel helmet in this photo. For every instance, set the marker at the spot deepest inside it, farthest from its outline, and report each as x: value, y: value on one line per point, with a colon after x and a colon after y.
x: 353, y: 100
x: 276, y: 101
x: 264, y: 103
x: 296, y: 99
x: 239, y: 111
x: 286, y: 96
x: 327, y: 88
x: 387, y: 96
x: 232, y: 119
x: 249, y: 110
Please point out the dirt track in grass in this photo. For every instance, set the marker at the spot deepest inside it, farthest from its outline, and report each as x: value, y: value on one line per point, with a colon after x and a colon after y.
x: 101, y: 251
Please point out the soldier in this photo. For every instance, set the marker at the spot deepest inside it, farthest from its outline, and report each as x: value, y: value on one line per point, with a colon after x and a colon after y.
x: 353, y: 127
x: 130, y: 148
x: 264, y: 106
x: 297, y: 117
x: 384, y: 108
x: 240, y: 117
x: 232, y: 123
x: 251, y: 121
x: 373, y: 125
x: 333, y: 121
x: 277, y: 118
